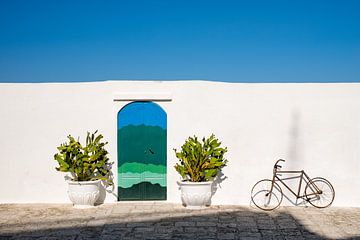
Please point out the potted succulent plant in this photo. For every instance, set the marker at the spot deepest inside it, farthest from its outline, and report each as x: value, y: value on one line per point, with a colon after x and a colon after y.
x: 88, y: 165
x: 199, y: 164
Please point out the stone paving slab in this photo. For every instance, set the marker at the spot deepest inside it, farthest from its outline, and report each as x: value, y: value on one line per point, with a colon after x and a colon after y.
x: 153, y: 220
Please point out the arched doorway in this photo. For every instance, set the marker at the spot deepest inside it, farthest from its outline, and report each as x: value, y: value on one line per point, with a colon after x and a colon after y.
x: 142, y: 152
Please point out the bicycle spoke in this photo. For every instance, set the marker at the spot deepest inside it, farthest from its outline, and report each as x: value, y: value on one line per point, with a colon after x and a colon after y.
x: 263, y: 198
x: 322, y: 199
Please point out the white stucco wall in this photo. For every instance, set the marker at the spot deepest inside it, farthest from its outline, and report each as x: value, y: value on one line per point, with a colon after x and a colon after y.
x: 314, y: 127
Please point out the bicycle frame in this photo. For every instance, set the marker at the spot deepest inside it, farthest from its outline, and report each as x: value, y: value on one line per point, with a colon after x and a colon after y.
x: 303, y: 177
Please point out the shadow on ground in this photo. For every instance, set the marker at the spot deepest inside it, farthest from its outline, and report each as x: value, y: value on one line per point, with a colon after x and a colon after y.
x: 162, y: 223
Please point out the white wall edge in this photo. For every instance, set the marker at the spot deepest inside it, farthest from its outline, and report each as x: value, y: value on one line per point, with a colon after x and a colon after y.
x: 142, y: 96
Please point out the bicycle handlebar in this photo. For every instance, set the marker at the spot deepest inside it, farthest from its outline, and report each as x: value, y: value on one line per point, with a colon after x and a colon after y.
x: 276, y: 165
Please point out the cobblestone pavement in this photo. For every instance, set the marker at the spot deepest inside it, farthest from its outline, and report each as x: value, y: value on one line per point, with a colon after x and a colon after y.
x: 172, y: 221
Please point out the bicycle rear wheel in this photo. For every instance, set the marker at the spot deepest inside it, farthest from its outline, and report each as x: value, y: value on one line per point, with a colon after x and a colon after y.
x: 262, y: 198
x: 319, y: 192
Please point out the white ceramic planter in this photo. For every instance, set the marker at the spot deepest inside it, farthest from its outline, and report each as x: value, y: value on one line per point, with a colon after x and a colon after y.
x: 83, y: 194
x: 196, y: 195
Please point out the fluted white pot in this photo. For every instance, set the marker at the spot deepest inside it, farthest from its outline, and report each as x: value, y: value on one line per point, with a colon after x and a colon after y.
x: 196, y: 195
x: 84, y: 194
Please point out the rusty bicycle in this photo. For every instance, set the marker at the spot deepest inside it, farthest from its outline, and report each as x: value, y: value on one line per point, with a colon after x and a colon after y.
x: 267, y: 194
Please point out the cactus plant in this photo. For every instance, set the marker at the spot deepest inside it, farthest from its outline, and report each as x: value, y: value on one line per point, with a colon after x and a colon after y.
x: 85, y: 163
x: 200, y: 161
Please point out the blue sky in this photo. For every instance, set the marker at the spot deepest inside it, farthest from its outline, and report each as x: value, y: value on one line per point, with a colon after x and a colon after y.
x: 232, y: 41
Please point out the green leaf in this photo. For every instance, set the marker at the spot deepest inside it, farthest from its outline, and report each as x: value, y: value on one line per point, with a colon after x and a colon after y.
x: 200, y: 161
x: 84, y: 162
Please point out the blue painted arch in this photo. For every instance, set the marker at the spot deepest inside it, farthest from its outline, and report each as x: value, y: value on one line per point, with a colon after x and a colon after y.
x: 133, y: 114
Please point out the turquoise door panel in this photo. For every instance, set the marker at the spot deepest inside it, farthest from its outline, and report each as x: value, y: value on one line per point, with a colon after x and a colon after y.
x: 142, y: 152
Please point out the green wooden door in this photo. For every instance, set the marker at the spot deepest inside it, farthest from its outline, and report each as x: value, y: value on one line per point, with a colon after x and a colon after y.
x: 142, y: 152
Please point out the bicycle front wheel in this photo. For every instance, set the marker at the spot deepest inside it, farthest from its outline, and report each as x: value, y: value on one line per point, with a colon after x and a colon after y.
x: 319, y: 192
x: 263, y: 198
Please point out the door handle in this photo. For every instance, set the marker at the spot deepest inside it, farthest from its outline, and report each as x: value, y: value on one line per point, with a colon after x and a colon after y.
x: 151, y: 151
